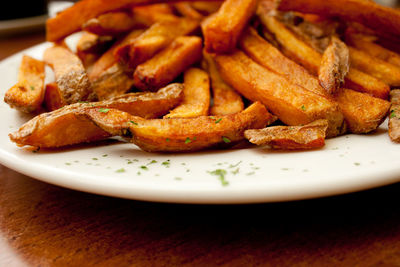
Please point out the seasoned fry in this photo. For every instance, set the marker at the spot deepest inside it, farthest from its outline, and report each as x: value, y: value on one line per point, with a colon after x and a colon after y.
x: 93, y: 43
x: 111, y: 24
x: 309, y: 136
x: 394, y: 117
x: 363, y: 113
x: 186, y: 10
x: 27, y: 95
x: 226, y: 99
x: 293, y: 104
x: 70, y: 74
x: 168, y: 64
x: 207, y: 7
x: 182, y: 134
x: 222, y: 31
x: 196, y: 101
x: 150, y: 14
x: 153, y: 40
x: 375, y: 16
x: 375, y: 67
x: 53, y: 98
x: 334, y: 66
x: 64, y: 127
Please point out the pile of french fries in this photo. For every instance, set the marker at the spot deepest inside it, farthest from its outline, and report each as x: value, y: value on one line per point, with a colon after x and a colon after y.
x: 185, y: 76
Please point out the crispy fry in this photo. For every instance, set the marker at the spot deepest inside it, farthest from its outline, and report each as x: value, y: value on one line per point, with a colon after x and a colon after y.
x: 293, y: 104
x: 309, y: 136
x: 375, y: 16
x: 63, y: 127
x: 70, y: 74
x: 394, y: 117
x: 53, y: 98
x: 196, y: 101
x: 90, y: 47
x: 168, y: 64
x: 363, y: 113
x: 27, y: 95
x: 226, y: 99
x: 222, y: 31
x: 187, y: 10
x: 150, y: 14
x: 375, y: 67
x: 153, y: 40
x: 334, y: 66
x: 302, y: 53
x: 182, y: 134
x: 207, y: 7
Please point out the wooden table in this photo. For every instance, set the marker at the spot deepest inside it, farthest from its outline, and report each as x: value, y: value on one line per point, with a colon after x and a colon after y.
x: 45, y: 225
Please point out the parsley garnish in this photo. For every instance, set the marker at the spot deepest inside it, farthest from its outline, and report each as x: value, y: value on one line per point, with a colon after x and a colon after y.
x: 392, y: 113
x: 133, y: 122
x: 144, y: 168
x: 235, y: 165
x: 167, y: 139
x: 120, y: 170
x: 187, y: 141
x: 221, y: 175
x: 303, y: 108
x: 104, y: 110
x: 217, y: 121
x: 226, y: 139
x: 152, y: 162
x: 32, y: 87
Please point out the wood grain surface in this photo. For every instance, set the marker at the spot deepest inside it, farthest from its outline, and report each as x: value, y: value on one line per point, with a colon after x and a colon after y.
x: 45, y: 225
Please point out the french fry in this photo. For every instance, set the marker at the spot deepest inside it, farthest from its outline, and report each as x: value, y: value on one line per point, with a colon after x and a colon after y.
x: 293, y: 104
x: 375, y: 16
x: 375, y: 67
x: 207, y: 7
x: 302, y: 53
x: 111, y: 24
x: 64, y: 127
x: 181, y: 134
x: 27, y: 95
x: 187, y: 10
x: 70, y: 74
x: 53, y: 98
x: 153, y: 40
x: 90, y: 47
x: 150, y: 14
x: 309, y: 136
x: 196, y: 101
x: 394, y: 117
x: 223, y: 30
x: 225, y: 99
x: 168, y: 64
x: 363, y: 113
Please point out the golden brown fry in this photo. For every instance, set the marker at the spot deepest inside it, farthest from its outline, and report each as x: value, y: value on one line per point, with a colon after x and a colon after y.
x: 207, y: 7
x: 292, y: 104
x: 394, y: 117
x: 309, y: 136
x: 93, y: 43
x: 223, y: 30
x: 64, y: 127
x: 182, y: 134
x: 53, y: 98
x: 363, y: 113
x: 154, y: 39
x: 225, y: 99
x: 187, y: 10
x: 334, y: 66
x: 375, y: 67
x: 150, y: 14
x: 375, y: 16
x: 27, y: 95
x: 70, y: 74
x: 168, y: 64
x: 196, y: 101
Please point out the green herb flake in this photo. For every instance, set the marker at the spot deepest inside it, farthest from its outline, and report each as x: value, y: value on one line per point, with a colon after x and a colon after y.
x: 83, y: 102
x: 178, y: 178
x: 105, y: 155
x: 392, y: 113
x: 138, y: 173
x: 144, y: 168
x: 250, y: 173
x: 357, y: 163
x: 133, y: 122
x: 152, y: 162
x: 303, y: 108
x: 95, y: 159
x: 235, y: 171
x: 226, y: 139
x: 187, y: 141
x: 213, y: 118
x: 235, y: 165
x: 68, y: 164
x: 120, y: 170
x: 104, y: 110
x: 167, y: 140
x: 32, y: 88
x: 217, y: 121
x: 221, y: 173
x: 166, y: 163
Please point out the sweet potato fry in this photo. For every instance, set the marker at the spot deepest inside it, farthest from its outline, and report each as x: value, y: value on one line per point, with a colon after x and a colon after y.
x: 70, y: 74
x: 394, y: 117
x: 168, y: 64
x: 375, y: 16
x: 375, y: 67
x: 64, y: 127
x: 334, y: 66
x: 223, y: 30
x: 187, y: 10
x: 363, y: 113
x: 112, y: 24
x: 27, y: 95
x: 302, y: 53
x: 196, y: 101
x: 309, y: 136
x: 181, y: 134
x: 153, y: 40
x: 226, y: 99
x: 293, y: 104
x: 53, y: 98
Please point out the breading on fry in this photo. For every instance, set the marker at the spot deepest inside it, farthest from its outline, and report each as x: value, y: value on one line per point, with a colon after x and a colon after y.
x: 64, y: 127
x: 394, y: 116
x: 196, y: 101
x: 168, y: 64
x: 309, y: 136
x: 53, y: 97
x: 181, y: 134
x: 27, y: 95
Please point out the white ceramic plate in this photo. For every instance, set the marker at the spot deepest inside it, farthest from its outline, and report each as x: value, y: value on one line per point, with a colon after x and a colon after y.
x: 346, y: 164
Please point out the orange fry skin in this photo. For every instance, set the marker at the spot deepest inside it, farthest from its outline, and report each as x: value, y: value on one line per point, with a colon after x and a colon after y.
x: 53, y: 98
x: 27, y: 95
